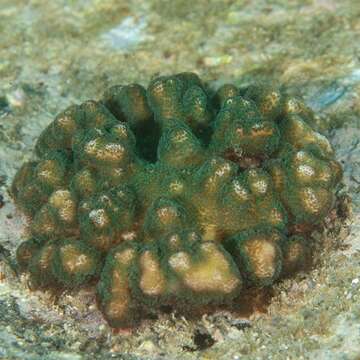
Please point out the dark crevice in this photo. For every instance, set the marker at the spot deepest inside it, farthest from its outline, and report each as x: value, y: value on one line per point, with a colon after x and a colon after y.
x: 202, y: 341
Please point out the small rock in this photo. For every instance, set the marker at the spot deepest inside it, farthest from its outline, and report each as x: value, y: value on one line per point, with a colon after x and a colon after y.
x: 148, y: 346
x: 16, y: 98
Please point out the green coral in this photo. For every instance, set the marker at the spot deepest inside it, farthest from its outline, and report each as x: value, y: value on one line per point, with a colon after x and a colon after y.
x: 174, y: 194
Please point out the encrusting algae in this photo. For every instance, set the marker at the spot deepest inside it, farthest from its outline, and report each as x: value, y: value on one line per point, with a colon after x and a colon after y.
x: 174, y: 195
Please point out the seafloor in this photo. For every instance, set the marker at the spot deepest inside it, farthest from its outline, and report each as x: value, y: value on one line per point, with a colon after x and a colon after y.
x: 54, y: 53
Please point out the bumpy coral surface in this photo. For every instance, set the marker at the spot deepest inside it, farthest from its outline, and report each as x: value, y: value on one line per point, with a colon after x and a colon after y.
x: 174, y: 195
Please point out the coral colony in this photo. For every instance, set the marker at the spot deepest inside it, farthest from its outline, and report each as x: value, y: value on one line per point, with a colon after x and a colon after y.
x: 174, y: 195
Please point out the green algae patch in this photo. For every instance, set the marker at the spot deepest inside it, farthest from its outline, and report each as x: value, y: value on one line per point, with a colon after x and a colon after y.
x: 174, y: 195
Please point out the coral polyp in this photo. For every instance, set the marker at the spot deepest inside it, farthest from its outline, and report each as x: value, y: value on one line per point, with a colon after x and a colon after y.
x: 174, y: 194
